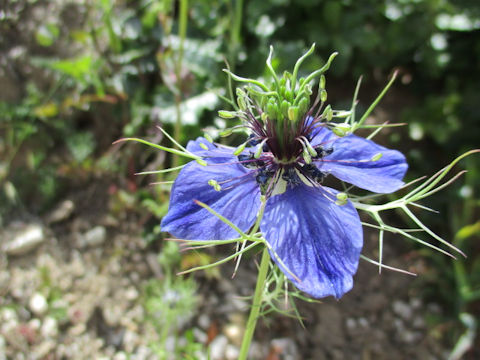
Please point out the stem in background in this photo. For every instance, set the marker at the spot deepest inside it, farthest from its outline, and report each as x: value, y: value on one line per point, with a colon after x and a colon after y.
x: 235, y: 33
x: 182, y: 33
x: 257, y: 302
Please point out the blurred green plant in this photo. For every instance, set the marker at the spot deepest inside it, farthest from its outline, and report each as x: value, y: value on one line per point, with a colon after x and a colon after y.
x: 170, y: 303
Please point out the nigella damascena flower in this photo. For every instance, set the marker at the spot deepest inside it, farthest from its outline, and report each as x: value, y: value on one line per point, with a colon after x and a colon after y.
x: 314, y: 238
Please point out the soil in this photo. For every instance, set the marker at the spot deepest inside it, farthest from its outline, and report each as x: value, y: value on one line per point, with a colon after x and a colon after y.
x: 101, y: 285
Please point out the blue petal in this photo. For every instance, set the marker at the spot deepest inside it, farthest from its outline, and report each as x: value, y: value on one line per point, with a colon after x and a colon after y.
x: 351, y: 162
x: 238, y: 200
x: 318, y: 241
x: 202, y: 147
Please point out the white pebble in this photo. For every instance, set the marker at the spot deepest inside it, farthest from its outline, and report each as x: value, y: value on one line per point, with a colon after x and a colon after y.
x: 38, y: 304
x: 49, y: 327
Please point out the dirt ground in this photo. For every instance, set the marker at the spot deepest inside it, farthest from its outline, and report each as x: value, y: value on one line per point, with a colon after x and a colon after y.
x: 98, y: 265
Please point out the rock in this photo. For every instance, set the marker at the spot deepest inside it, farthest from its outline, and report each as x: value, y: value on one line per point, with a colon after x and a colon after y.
x: 121, y: 355
x: 3, y: 348
x: 234, y: 333
x: 44, y: 349
x: 38, y: 304
x: 61, y: 212
x: 93, y: 237
x: 34, y: 324
x: 131, y: 293
x: 200, y: 336
x: 402, y: 309
x: 25, y: 240
x: 231, y: 352
x: 285, y: 347
x: 203, y: 321
x: 218, y: 347
x: 49, y: 327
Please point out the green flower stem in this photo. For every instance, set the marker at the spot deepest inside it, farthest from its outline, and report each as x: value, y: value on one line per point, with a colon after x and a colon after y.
x: 257, y: 302
x: 182, y: 32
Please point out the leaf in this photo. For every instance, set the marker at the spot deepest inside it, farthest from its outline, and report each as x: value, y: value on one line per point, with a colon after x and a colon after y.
x: 46, y: 111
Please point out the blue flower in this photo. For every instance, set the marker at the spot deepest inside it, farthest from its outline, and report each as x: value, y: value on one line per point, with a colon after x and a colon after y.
x: 313, y: 239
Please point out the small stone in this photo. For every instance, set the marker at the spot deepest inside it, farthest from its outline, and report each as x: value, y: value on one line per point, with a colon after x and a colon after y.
x: 49, y: 327
x: 61, y: 212
x: 218, y: 347
x: 231, y: 352
x: 418, y: 322
x: 351, y: 323
x: 200, y: 336
x: 204, y: 321
x: 131, y: 294
x: 77, y: 329
x: 25, y: 241
x: 402, y: 309
x: 34, y: 324
x: 234, y: 333
x: 8, y: 314
x: 285, y: 347
x: 44, y: 348
x: 95, y: 236
x: 363, y: 322
x: 415, y: 303
x: 38, y: 304
x: 3, y: 348
x: 121, y: 355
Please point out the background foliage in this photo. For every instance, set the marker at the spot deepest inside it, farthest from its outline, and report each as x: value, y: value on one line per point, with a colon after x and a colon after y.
x: 77, y: 75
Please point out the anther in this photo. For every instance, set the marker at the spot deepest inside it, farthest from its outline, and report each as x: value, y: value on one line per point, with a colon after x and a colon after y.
x: 215, y: 185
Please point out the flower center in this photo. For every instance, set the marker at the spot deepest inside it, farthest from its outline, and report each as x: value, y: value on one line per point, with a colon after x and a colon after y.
x: 279, y: 164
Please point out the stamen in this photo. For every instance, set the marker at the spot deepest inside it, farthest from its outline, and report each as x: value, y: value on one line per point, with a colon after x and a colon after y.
x: 215, y: 185
x: 342, y: 199
x: 259, y: 150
